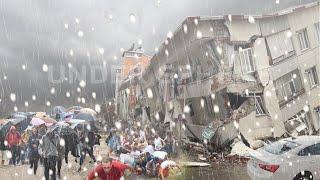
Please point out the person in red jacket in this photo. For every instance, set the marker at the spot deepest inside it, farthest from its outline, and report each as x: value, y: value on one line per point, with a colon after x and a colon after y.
x: 13, y: 139
x: 108, y: 170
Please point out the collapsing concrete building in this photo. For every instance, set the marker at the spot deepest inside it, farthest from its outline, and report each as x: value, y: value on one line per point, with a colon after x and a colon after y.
x: 258, y: 75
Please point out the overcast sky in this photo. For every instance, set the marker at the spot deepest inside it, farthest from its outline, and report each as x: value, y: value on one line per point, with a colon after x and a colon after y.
x: 58, y: 32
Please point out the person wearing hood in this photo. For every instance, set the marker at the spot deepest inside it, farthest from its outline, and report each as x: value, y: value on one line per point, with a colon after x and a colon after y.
x: 33, y: 154
x: 13, y: 138
x: 48, y: 149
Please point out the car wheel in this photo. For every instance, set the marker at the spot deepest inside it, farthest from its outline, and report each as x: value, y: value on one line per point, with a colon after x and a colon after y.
x: 306, y: 175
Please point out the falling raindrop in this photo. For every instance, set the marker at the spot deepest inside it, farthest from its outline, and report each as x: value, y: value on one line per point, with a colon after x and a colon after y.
x: 199, y: 34
x: 83, y: 100
x: 118, y: 125
x: 213, y: 96
x: 23, y: 67
x: 185, y: 28
x: 175, y: 76
x: 236, y: 124
x: 219, y: 50
x: 67, y: 94
x: 15, y: 108
x: 77, y: 20
x: 277, y: 1
x: 97, y: 108
x: 71, y: 53
x: 166, y: 52
x: 216, y: 108
x: 5, y: 77
x: 156, y: 49
x: 202, y: 103
x: 94, y: 95
x: 157, y: 116
x: 45, y: 68
x: 48, y: 103
x: 169, y: 35
x: 80, y: 33
x: 13, y: 97
x: 53, y: 90
x: 196, y: 21
x: 132, y: 18
x: 110, y: 16
x: 115, y: 57
x: 289, y: 34
x: 101, y: 51
x: 251, y: 19
x: 140, y: 41
x: 26, y: 104
x: 62, y: 142
x: 34, y: 97
x: 230, y: 17
x: 82, y: 83
x: 78, y: 90
x: 186, y: 109
x: 149, y: 93
x: 66, y: 26
x: 306, y: 108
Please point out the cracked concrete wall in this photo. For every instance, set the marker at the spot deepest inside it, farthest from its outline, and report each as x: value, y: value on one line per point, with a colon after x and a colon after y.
x: 242, y: 30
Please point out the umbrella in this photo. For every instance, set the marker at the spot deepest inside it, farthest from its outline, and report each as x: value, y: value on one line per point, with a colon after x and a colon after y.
x: 88, y: 111
x: 36, y: 121
x: 74, y: 108
x: 3, y: 122
x: 40, y: 114
x: 58, y: 110
x: 48, y: 120
x: 75, y: 122
x: 85, y: 116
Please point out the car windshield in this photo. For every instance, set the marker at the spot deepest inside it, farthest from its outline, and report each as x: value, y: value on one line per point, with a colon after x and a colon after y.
x: 281, y: 147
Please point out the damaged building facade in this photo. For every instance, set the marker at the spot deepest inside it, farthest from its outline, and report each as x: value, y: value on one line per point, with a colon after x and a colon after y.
x: 257, y: 74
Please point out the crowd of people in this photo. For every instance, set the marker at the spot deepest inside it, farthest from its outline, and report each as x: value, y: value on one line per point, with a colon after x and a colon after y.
x: 142, y: 151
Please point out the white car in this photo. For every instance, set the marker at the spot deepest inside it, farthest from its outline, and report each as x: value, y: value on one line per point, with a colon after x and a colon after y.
x: 290, y: 158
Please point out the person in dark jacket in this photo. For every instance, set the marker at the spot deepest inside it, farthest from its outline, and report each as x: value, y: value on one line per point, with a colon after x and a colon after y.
x: 61, y: 154
x: 33, y: 144
x: 87, y: 142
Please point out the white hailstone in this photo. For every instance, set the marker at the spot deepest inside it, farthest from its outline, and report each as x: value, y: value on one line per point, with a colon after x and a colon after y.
x: 48, y: 103
x: 115, y: 57
x: 104, y: 63
x: 0, y: 100
x: 15, y: 108
x: 183, y: 116
x: 277, y: 1
x: 93, y: 29
x: 128, y: 91
x: 153, y: 131
x: 121, y: 50
x: 69, y: 65
x: 275, y: 48
x: 213, y: 96
x: 83, y: 100
x: 183, y: 127
x: 228, y: 104
x: 257, y: 124
x: 80, y: 33
x: 157, y: 116
x: 188, y: 67
x: 94, y: 95
x: 305, y: 80
x: 156, y: 49
x: 62, y: 142
x: 153, y: 31
x: 26, y: 104
x: 132, y: 18
x: 186, y: 109
x: 23, y: 67
x: 69, y: 165
x: 249, y: 130
x: 211, y: 29
x: 247, y: 92
x: 16, y: 174
x: 86, y: 139
x: 97, y: 108
x: 82, y: 83
x: 77, y: 20
x: 95, y: 174
x: 78, y: 90
x: 202, y: 103
x: 109, y: 103
x: 131, y: 132
x: 43, y: 178
x: 219, y: 50
x: 216, y: 108
x: 258, y: 42
x: 64, y: 177
x: 45, y: 68
x: 166, y: 52
x: 101, y: 51
x: 5, y: 77
x: 66, y: 26
x: 40, y: 141
x: 175, y: 76
x: 118, y: 125
x: 268, y: 93
x: 71, y: 53
x: 67, y: 94
x: 140, y: 41
x: 236, y: 124
x: 251, y: 19
x: 88, y: 54
x: 53, y: 90
x: 149, y: 93
x: 173, y: 124
x: 199, y: 34
x: 9, y: 154
x: 30, y: 171
x: 306, y: 108
x: 196, y: 21
x: 169, y: 34
x: 294, y: 76
x: 290, y: 163
x: 13, y: 97
x: 139, y: 124
x: 285, y: 98
x: 230, y: 17
x: 207, y: 54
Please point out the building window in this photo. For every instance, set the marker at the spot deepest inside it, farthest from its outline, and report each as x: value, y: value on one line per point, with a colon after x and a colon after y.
x: 280, y: 45
x: 317, y: 25
x: 288, y: 86
x: 246, y: 60
x: 260, y: 110
x: 302, y: 36
x: 313, y: 76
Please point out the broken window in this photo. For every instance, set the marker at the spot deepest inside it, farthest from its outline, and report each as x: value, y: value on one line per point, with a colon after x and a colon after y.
x: 280, y: 45
x: 288, y: 86
x: 246, y: 60
x: 299, y: 124
x: 317, y: 26
x: 313, y: 76
x: 302, y: 36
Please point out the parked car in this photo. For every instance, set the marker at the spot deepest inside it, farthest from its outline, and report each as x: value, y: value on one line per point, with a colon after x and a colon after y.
x: 289, y: 158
